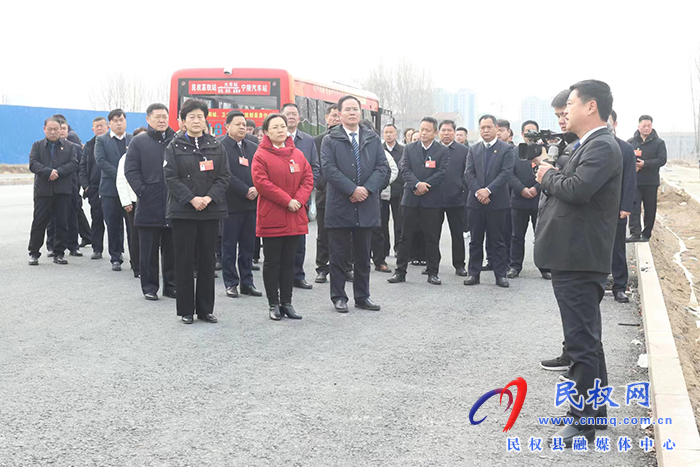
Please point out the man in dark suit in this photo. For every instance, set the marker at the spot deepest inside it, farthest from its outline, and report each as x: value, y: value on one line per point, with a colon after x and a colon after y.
x: 423, y: 168
x: 525, y: 200
x: 454, y: 194
x: 53, y: 161
x: 575, y: 236
x: 306, y: 144
x: 489, y: 168
x: 356, y: 169
x: 109, y: 148
x: 629, y: 191
x: 89, y: 177
x: 396, y: 150
x: 238, y: 233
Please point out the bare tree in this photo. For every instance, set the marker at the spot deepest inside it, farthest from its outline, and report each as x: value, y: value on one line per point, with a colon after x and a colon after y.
x: 404, y: 88
x: 130, y: 94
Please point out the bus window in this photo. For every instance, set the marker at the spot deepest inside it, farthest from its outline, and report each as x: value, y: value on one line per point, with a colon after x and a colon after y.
x: 304, y: 122
x: 314, y: 116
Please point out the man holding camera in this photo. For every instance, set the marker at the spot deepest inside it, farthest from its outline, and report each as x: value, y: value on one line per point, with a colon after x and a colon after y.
x: 575, y: 235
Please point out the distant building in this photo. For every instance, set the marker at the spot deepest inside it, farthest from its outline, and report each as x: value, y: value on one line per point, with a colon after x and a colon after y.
x: 539, y: 110
x: 462, y: 102
x: 680, y: 145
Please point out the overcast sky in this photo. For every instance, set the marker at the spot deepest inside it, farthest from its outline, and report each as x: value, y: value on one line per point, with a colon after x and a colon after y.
x: 54, y: 52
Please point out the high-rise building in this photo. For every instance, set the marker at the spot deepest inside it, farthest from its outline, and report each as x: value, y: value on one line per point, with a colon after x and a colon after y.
x: 462, y: 102
x: 540, y: 110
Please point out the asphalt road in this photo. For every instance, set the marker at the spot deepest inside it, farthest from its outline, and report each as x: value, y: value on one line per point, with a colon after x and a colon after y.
x: 92, y: 374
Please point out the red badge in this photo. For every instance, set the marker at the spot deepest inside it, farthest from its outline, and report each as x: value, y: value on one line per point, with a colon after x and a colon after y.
x: 243, y: 161
x: 205, y: 166
x: 293, y: 167
x: 429, y: 164
x: 638, y: 152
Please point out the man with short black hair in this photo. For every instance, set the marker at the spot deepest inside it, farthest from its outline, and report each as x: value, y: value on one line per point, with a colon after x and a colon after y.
x: 489, y: 168
x: 575, y: 236
x: 89, y: 177
x: 143, y: 169
x: 396, y: 149
x: 503, y: 130
x: 461, y: 135
x: 651, y: 156
x: 238, y: 232
x: 109, y: 148
x: 306, y: 144
x: 423, y: 168
x: 53, y: 161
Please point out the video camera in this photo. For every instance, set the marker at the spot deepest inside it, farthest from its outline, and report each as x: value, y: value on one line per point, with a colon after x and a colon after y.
x: 554, y: 143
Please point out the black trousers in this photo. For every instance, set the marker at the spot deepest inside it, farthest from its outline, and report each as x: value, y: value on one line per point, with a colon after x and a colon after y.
x: 455, y: 219
x: 256, y: 251
x: 299, y: 258
x: 238, y: 243
x: 132, y: 237
x: 578, y: 295
x: 115, y: 218
x: 152, y: 241
x: 619, y: 260
x: 189, y: 235
x: 520, y: 218
x: 395, y: 205
x: 59, y: 208
x: 492, y: 224
x: 346, y: 245
x: 428, y: 221
x: 647, y: 195
x: 278, y: 268
x: 322, y: 244
x: 97, y: 228
x: 81, y: 220
x: 380, y: 236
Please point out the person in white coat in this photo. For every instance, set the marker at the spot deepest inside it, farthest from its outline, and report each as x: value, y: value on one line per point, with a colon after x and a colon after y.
x: 379, y: 241
x: 128, y: 199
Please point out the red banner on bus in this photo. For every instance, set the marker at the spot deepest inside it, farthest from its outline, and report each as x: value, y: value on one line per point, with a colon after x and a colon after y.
x: 248, y: 88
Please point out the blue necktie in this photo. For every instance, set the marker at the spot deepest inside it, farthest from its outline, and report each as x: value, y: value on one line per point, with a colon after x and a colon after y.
x: 487, y: 158
x: 356, y: 152
x: 576, y: 146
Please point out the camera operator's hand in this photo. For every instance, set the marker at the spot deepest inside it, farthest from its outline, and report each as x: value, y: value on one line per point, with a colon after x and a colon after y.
x: 539, y: 159
x: 624, y: 214
x: 543, y: 169
x: 483, y: 196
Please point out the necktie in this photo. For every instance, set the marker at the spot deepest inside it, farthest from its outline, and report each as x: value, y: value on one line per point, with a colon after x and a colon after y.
x: 356, y: 152
x: 487, y: 157
x: 577, y: 145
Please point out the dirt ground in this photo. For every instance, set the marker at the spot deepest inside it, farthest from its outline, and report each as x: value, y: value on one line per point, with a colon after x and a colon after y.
x: 679, y: 213
x: 14, y: 168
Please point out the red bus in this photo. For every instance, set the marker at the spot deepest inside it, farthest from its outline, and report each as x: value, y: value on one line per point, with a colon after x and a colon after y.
x: 258, y: 92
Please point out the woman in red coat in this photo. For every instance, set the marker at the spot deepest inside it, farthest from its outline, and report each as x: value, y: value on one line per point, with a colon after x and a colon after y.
x: 284, y: 182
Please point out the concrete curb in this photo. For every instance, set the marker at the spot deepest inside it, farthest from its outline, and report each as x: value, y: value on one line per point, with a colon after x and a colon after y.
x: 680, y: 188
x: 17, y: 181
x: 669, y: 396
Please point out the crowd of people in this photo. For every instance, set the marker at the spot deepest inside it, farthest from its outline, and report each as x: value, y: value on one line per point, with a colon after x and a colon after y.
x: 192, y: 204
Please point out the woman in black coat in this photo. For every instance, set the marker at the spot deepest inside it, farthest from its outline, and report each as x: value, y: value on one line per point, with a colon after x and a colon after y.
x: 197, y: 175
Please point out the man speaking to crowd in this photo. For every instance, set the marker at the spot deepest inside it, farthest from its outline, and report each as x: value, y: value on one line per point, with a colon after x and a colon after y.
x: 574, y: 239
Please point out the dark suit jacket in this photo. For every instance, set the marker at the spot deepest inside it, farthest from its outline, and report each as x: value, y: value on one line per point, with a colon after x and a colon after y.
x: 65, y: 161
x: 413, y: 170
x: 107, y: 157
x: 321, y: 182
x: 89, y: 174
x: 629, y: 175
x: 454, y: 193
x: 396, y: 153
x: 496, y: 180
x: 241, y: 177
x: 578, y: 219
x: 339, y: 168
x: 306, y: 144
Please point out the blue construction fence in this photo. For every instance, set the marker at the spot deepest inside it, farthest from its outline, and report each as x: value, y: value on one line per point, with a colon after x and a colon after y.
x: 20, y: 126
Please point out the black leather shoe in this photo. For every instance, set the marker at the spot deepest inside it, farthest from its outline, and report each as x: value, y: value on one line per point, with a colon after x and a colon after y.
x: 209, y: 318
x: 60, y: 259
x: 472, y: 280
x: 302, y: 284
x: 50, y: 254
x: 232, y: 292
x: 382, y: 268
x: 96, y: 255
x: 170, y: 294
x: 396, y: 278
x: 187, y: 319
x: 33, y: 260
x: 502, y: 282
x: 217, y: 266
x: 547, y: 275
x: 350, y: 276
x: 76, y: 252
x: 633, y: 238
x: 621, y: 297
x: 367, y: 305
x: 434, y: 279
x: 150, y: 296
x: 569, y: 432
x: 275, y: 313
x: 322, y: 277
x: 461, y: 272
x: 512, y: 273
x: 251, y: 290
x: 487, y: 267
x: 288, y: 310
x: 116, y: 266
x: 85, y: 243
x: 137, y: 274
x: 341, y: 306
x: 255, y: 267
x: 424, y: 272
